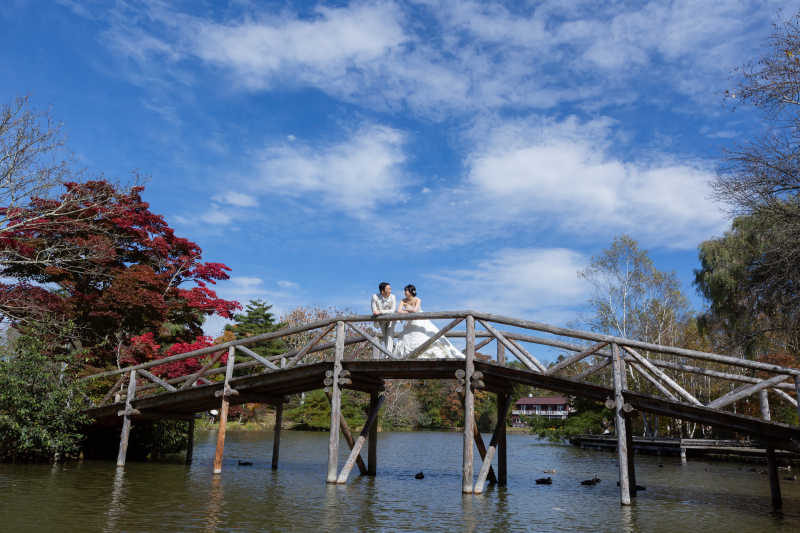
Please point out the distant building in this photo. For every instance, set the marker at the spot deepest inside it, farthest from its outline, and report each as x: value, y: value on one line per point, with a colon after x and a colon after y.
x: 549, y: 407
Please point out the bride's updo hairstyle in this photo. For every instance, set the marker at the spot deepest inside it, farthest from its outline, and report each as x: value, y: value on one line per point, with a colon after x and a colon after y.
x: 412, y: 290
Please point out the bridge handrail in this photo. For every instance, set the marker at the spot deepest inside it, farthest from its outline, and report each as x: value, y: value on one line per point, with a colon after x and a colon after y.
x: 489, y: 317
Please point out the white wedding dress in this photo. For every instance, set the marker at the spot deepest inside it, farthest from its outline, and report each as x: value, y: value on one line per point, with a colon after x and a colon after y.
x: 415, y: 333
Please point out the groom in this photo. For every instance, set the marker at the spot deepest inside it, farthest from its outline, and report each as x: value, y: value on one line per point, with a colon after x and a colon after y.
x: 384, y: 303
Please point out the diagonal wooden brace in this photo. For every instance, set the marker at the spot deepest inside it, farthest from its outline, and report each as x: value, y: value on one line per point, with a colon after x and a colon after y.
x: 487, y: 460
x: 355, y: 327
x: 669, y: 381
x: 362, y: 468
x: 247, y: 351
x: 356, y: 450
x: 296, y: 359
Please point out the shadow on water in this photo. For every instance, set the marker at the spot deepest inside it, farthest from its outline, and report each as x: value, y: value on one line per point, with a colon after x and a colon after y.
x: 170, y: 496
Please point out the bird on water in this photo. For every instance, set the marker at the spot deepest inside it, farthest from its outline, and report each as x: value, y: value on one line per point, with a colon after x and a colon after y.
x: 420, y: 476
x: 244, y: 463
x: 553, y: 471
x: 591, y: 482
x: 544, y: 481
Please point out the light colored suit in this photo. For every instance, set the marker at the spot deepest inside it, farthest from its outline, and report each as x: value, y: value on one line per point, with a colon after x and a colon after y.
x: 381, y: 306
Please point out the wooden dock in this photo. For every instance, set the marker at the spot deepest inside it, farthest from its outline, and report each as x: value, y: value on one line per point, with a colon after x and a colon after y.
x: 353, y: 358
x: 679, y: 447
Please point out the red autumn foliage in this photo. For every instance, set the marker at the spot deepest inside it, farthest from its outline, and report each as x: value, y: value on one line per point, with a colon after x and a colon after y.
x: 129, y: 285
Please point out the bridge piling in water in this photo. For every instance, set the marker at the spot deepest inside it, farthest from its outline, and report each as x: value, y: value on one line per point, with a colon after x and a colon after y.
x: 126, y: 423
x: 190, y: 443
x: 469, y: 409
x: 772, y: 464
x: 223, y: 412
x: 619, y: 425
x: 276, y: 443
x: 336, y: 405
x: 372, y: 441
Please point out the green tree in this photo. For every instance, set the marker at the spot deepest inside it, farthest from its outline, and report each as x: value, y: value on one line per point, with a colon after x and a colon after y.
x: 257, y: 320
x: 633, y: 299
x: 588, y: 417
x: 750, y: 276
x: 315, y: 411
x: 40, y: 404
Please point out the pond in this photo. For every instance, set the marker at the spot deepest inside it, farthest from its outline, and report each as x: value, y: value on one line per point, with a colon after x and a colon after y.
x: 170, y: 496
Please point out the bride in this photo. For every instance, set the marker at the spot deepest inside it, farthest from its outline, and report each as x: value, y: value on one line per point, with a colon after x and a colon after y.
x: 416, y: 332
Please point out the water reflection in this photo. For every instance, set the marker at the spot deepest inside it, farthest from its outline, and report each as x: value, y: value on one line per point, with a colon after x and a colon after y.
x: 117, y: 505
x: 215, y: 504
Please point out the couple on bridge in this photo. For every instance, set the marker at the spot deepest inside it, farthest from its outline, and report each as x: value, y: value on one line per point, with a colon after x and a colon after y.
x: 415, y: 332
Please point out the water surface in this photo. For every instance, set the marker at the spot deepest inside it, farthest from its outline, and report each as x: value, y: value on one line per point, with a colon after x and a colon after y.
x: 170, y: 496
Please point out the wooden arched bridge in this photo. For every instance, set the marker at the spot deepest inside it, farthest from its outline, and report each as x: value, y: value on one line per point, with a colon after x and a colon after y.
x: 337, y: 357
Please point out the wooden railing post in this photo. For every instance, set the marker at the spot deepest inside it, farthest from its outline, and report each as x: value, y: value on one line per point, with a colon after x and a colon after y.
x: 469, y: 408
x: 276, y: 443
x: 336, y: 406
x: 772, y: 465
x: 126, y: 423
x: 372, y: 442
x: 619, y: 425
x: 223, y: 413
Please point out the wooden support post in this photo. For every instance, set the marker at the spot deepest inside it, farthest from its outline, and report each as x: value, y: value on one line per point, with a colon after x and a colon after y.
x: 276, y: 443
x: 487, y: 460
x: 356, y: 450
x: 223, y: 413
x: 126, y: 423
x: 502, y: 472
x: 336, y: 405
x: 619, y: 425
x: 190, y: 443
x: 501, y: 354
x: 348, y: 437
x: 372, y: 446
x: 772, y: 465
x: 631, y: 454
x: 797, y: 394
x: 469, y: 408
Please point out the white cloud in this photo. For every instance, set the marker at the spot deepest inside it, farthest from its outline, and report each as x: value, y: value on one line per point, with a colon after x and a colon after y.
x: 288, y: 285
x: 438, y: 58
x: 354, y: 175
x: 236, y: 198
x: 538, y: 283
x: 323, y: 48
x: 565, y: 172
x: 246, y: 282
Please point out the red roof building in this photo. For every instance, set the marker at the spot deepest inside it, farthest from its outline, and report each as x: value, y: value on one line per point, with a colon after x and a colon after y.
x: 556, y: 407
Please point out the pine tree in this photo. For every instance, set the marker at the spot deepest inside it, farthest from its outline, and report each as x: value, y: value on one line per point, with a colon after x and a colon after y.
x: 257, y: 320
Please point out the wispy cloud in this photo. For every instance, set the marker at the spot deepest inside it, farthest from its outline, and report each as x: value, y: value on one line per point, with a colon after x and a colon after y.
x: 354, y: 175
x: 438, y: 58
x: 236, y: 198
x: 540, y: 283
x: 288, y: 285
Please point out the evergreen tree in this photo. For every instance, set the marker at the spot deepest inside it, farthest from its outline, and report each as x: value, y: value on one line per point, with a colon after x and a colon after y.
x: 257, y: 320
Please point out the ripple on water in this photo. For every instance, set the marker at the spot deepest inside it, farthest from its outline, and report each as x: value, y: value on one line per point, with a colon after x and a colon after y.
x: 169, y: 496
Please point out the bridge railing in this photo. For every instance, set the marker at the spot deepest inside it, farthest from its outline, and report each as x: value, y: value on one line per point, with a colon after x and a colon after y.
x: 651, y: 367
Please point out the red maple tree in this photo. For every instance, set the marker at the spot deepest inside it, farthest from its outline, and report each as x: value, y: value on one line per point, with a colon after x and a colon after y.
x: 130, y: 288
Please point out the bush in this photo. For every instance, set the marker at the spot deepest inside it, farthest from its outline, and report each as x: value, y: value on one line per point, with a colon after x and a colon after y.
x: 39, y: 404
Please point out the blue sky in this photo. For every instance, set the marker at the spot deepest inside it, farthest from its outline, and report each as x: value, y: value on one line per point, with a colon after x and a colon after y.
x: 481, y: 151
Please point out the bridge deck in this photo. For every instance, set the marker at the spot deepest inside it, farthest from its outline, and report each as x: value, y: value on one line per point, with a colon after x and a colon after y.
x: 273, y: 386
